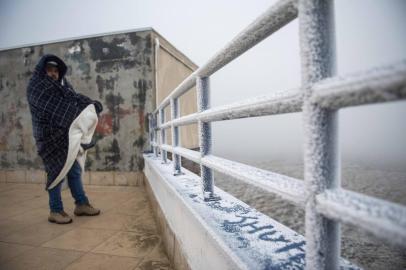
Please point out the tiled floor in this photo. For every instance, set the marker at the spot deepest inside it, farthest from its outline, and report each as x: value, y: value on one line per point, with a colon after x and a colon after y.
x: 123, y: 236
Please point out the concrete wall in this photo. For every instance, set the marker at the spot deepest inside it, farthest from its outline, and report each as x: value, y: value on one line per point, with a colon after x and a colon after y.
x: 117, y: 69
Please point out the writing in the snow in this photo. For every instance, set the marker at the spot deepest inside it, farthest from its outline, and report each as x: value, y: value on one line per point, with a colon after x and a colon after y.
x: 268, y: 232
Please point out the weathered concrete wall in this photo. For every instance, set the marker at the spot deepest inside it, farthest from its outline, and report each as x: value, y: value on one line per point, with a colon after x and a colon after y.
x: 116, y: 69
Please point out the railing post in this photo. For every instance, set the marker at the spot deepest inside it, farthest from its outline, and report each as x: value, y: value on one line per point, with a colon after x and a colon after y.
x: 155, y: 135
x: 175, y: 137
x: 150, y: 132
x: 322, y: 164
x: 204, y: 129
x: 163, y: 134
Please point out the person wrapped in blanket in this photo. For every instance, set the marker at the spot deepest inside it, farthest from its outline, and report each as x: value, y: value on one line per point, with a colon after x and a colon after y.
x: 63, y: 124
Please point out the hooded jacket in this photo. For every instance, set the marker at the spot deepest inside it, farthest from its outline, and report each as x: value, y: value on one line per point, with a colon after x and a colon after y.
x: 61, y: 119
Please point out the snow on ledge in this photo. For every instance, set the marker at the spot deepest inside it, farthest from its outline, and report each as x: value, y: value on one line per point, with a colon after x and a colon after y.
x: 224, y: 234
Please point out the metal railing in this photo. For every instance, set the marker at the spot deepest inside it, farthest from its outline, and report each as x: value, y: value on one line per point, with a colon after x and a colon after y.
x: 320, y: 97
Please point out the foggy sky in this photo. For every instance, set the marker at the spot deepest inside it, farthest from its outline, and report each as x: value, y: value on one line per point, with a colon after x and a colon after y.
x: 368, y: 33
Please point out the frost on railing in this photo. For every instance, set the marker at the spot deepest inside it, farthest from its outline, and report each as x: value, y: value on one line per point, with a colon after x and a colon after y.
x: 320, y: 97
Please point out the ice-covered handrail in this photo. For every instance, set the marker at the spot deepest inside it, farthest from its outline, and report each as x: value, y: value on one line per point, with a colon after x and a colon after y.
x: 382, y: 84
x: 275, y: 103
x: 287, y: 187
x: 272, y: 20
x: 384, y: 219
x: 321, y: 94
x: 184, y: 152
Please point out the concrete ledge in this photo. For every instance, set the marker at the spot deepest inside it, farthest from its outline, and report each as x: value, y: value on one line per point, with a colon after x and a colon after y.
x: 107, y: 178
x: 171, y: 243
x: 225, y: 234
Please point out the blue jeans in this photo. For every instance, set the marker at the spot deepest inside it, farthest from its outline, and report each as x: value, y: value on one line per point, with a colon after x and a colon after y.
x: 76, y: 188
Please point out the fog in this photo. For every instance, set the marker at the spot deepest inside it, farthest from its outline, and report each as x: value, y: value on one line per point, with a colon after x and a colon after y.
x: 368, y: 33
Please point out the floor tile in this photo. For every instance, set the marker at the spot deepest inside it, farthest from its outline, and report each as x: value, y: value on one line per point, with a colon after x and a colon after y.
x: 108, y: 220
x: 129, y: 244
x: 133, y: 206
x: 79, y: 239
x: 5, y: 187
x: 92, y: 261
x: 9, y: 251
x: 7, y: 211
x: 42, y: 259
x: 8, y: 226
x: 157, y: 259
x: 154, y: 265
x: 144, y: 222
x: 33, y: 216
x: 37, y: 201
x: 124, y: 236
x: 119, y: 222
x: 15, y: 196
x: 38, y: 234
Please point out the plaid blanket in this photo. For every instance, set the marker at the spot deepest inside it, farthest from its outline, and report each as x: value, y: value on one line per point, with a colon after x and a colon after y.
x: 54, y: 105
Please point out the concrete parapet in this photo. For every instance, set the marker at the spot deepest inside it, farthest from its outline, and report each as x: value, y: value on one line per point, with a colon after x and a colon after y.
x: 222, y: 234
x: 172, y: 246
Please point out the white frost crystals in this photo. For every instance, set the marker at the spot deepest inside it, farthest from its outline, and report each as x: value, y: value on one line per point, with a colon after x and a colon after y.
x: 381, y: 84
x: 384, y: 219
x: 320, y: 97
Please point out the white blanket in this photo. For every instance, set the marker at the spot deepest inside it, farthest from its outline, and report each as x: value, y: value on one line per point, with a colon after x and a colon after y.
x: 81, y: 131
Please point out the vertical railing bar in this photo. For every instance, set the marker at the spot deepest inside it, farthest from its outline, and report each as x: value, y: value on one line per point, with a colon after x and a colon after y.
x: 322, y: 164
x: 156, y: 135
x: 150, y: 133
x: 205, y: 143
x: 176, y: 159
x: 163, y: 134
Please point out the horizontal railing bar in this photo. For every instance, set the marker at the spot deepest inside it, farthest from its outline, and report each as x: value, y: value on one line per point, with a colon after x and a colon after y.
x: 188, y: 154
x: 184, y: 152
x: 269, y: 22
x: 186, y: 120
x: 165, y: 125
x: 287, y: 187
x: 385, y: 220
x: 181, y: 121
x: 276, y: 103
x: 183, y: 87
x: 387, y: 83
x: 383, y: 84
x: 277, y: 16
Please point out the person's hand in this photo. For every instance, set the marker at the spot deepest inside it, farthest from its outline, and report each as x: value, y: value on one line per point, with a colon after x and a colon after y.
x: 98, y: 106
x: 88, y: 145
